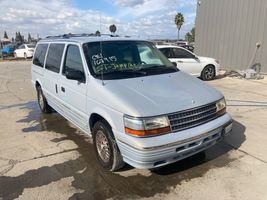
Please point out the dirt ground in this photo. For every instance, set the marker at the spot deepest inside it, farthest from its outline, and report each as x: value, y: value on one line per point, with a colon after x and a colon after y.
x: 42, y: 156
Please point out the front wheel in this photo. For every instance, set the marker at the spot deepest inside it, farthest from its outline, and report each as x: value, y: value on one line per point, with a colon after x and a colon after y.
x: 106, y: 147
x: 25, y: 56
x: 208, y: 73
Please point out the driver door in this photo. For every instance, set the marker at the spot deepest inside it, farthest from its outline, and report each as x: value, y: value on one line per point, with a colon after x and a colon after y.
x: 73, y: 92
x: 186, y: 61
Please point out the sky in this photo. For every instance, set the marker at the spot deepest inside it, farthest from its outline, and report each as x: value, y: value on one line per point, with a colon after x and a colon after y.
x: 149, y: 19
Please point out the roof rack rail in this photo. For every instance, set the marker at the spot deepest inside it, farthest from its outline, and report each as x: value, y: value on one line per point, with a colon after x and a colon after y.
x: 67, y: 36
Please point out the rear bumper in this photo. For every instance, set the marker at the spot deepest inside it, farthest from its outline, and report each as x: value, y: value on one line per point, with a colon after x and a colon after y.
x: 156, y: 156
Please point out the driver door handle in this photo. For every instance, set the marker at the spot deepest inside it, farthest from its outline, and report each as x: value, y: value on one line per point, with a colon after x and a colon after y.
x: 180, y: 61
x: 62, y: 89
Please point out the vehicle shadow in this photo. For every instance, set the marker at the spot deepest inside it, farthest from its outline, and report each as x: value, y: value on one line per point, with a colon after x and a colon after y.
x: 220, y: 150
x: 92, y: 181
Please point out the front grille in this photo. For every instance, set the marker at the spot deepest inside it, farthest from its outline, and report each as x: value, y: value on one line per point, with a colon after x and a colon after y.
x: 193, y: 117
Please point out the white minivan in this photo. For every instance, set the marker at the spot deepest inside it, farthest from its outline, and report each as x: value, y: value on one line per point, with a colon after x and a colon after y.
x: 138, y: 107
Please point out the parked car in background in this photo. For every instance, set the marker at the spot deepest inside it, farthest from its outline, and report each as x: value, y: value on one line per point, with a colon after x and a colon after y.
x: 8, y: 49
x: 204, y: 67
x: 181, y: 43
x: 24, y: 51
x: 138, y: 107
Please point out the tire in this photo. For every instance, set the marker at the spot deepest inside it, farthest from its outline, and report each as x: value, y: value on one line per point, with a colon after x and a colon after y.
x: 42, y: 102
x: 105, y: 146
x: 25, y: 56
x: 208, y: 73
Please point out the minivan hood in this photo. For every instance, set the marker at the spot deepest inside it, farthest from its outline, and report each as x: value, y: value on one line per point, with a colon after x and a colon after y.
x: 156, y: 95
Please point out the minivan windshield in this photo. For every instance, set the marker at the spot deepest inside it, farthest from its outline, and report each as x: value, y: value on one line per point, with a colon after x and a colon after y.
x: 125, y: 59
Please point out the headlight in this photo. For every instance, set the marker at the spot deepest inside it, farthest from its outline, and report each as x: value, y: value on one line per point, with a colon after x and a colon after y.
x: 221, y: 106
x: 146, y: 126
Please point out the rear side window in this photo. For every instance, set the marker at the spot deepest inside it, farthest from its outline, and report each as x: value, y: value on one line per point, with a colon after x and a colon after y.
x: 167, y: 52
x: 39, y: 55
x: 181, y: 53
x: 54, y: 56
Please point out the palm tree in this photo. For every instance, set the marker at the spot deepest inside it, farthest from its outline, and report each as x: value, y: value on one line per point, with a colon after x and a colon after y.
x: 112, y: 28
x: 97, y: 33
x: 179, y: 20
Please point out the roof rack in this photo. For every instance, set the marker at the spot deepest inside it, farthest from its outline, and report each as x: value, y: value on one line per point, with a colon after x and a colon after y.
x: 67, y: 36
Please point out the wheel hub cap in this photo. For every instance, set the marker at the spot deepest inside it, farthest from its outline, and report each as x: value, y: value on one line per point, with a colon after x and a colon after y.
x: 102, y: 146
x: 41, y: 101
x: 209, y: 73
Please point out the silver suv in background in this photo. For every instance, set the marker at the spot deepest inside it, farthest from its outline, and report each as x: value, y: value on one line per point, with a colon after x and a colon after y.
x: 138, y: 107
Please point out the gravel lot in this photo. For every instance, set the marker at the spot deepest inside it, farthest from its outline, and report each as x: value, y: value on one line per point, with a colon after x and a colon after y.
x: 42, y: 156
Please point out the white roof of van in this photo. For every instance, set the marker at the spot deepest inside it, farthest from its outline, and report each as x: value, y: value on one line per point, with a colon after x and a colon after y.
x: 168, y: 46
x: 84, y: 39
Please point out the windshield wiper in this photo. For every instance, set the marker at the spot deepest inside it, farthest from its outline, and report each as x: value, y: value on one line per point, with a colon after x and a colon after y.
x: 158, y: 67
x: 124, y: 72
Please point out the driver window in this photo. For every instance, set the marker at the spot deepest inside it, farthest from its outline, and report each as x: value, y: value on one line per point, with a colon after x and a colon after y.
x: 181, y: 53
x: 73, y: 60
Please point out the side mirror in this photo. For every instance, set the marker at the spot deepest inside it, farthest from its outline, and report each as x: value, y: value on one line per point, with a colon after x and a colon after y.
x: 74, y: 75
x: 195, y: 57
x: 175, y: 64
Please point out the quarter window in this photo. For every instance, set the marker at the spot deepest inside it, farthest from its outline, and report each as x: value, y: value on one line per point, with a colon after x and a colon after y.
x: 73, y: 60
x: 53, y: 60
x: 39, y: 55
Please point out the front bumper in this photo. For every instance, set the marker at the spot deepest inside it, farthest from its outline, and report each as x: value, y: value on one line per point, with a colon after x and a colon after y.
x: 30, y: 54
x: 157, y: 156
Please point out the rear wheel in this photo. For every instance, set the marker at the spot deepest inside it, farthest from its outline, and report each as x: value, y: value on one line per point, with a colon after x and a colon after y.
x: 106, y: 147
x: 208, y: 73
x: 44, y: 107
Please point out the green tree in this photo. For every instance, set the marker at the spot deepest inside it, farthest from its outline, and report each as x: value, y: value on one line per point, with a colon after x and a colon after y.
x: 112, y: 28
x: 19, y: 38
x: 179, y: 21
x: 5, y: 35
x: 190, y: 36
x: 29, y: 37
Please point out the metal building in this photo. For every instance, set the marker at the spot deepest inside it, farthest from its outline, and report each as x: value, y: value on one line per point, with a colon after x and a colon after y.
x: 229, y: 30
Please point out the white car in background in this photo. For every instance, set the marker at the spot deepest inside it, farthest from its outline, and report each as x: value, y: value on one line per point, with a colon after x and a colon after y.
x: 24, y: 51
x: 206, y: 68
